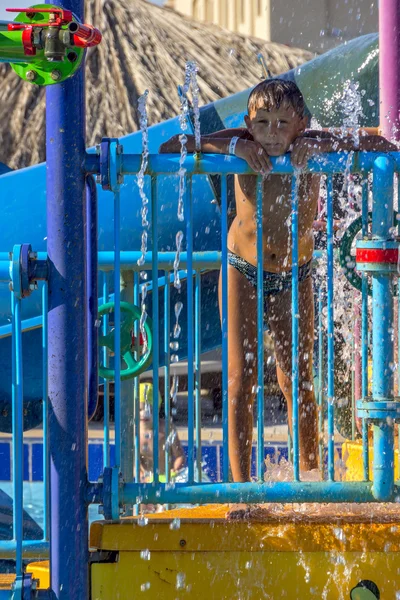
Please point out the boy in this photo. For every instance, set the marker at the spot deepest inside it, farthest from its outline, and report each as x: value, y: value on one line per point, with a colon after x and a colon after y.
x: 275, y: 124
x: 177, y: 459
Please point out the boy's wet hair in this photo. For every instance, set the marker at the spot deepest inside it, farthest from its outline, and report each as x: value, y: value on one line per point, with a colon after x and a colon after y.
x: 271, y: 94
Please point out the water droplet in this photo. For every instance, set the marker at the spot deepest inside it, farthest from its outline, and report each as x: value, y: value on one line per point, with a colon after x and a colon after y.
x: 175, y: 524
x: 145, y: 554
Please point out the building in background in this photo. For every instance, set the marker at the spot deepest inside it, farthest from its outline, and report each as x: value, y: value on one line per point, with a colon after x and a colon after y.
x: 317, y: 25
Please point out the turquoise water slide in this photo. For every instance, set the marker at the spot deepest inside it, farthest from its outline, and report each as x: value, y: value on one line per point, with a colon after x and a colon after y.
x: 23, y: 195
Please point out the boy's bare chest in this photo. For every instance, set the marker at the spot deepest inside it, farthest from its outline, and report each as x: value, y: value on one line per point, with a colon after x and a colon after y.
x: 276, y: 194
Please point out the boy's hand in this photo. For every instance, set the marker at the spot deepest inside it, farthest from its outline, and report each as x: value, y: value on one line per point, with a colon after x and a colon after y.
x: 255, y: 156
x: 303, y: 149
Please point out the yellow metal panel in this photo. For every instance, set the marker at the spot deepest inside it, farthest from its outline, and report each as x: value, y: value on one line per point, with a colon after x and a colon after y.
x: 244, y: 575
x: 274, y: 528
x: 41, y: 572
x: 352, y: 457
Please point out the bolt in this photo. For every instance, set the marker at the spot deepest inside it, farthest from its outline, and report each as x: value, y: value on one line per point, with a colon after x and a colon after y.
x: 33, y: 255
x: 98, y: 149
x: 11, y: 287
x: 120, y: 178
x: 56, y: 75
x: 182, y: 543
x: 33, y: 286
x: 31, y: 75
x: 98, y: 178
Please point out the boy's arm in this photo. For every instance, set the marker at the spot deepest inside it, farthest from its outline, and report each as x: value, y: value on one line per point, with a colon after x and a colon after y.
x: 319, y: 142
x: 178, y: 455
x: 214, y: 143
x: 218, y: 143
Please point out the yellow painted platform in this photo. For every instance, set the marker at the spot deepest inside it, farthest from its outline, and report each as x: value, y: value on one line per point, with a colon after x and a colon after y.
x: 352, y: 457
x: 295, y: 552
x: 40, y: 571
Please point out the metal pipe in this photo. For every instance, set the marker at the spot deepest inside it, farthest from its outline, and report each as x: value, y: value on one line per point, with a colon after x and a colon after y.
x: 190, y: 327
x: 389, y: 71
x: 127, y: 397
x: 164, y: 164
x: 295, y: 328
x: 91, y: 293
x: 224, y: 324
x: 364, y: 334
x: 67, y: 328
x: 156, y: 330
x: 330, y: 332
x: 382, y: 335
x: 278, y: 491
x: 260, y: 330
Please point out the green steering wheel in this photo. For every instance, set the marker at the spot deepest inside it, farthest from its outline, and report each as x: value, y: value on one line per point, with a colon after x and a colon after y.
x: 134, y: 366
x: 345, y: 256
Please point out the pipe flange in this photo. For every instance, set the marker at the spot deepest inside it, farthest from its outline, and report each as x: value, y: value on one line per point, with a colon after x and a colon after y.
x: 379, y: 410
x: 112, y: 488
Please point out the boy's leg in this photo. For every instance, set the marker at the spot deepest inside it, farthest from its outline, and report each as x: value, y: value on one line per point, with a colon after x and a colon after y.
x: 242, y: 370
x: 280, y: 321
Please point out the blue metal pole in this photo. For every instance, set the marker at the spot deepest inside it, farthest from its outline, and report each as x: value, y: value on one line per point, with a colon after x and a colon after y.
x: 67, y: 329
x: 321, y: 376
x: 136, y: 399
x: 382, y: 324
x: 106, y: 397
x: 17, y: 431
x: 331, y: 332
x: 190, y: 327
x: 156, y: 329
x: 91, y: 293
x: 224, y: 324
x: 260, y: 331
x: 364, y: 335
x: 167, y: 358
x: 45, y: 408
x: 117, y: 328
x: 197, y: 368
x: 295, y: 328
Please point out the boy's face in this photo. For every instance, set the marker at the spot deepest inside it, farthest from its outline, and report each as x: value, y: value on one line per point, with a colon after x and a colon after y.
x: 275, y: 129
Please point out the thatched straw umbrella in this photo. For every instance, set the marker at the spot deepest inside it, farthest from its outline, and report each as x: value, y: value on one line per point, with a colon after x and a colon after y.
x: 144, y: 47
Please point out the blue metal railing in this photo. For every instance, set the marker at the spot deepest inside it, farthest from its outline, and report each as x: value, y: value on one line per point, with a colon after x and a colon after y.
x: 193, y: 265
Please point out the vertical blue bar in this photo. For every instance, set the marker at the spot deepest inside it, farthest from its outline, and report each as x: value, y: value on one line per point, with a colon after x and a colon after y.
x: 260, y: 331
x: 189, y: 267
x: 156, y: 326
x: 224, y: 319
x: 46, y: 461
x: 364, y: 333
x: 67, y: 332
x: 330, y: 319
x: 106, y: 387
x: 167, y: 358
x: 295, y: 328
x: 117, y: 329
x: 321, y: 376
x: 17, y: 430
x: 197, y: 361
x: 382, y: 322
x: 136, y: 301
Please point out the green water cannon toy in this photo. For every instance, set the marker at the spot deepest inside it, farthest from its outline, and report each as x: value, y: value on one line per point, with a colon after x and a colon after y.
x: 45, y: 44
